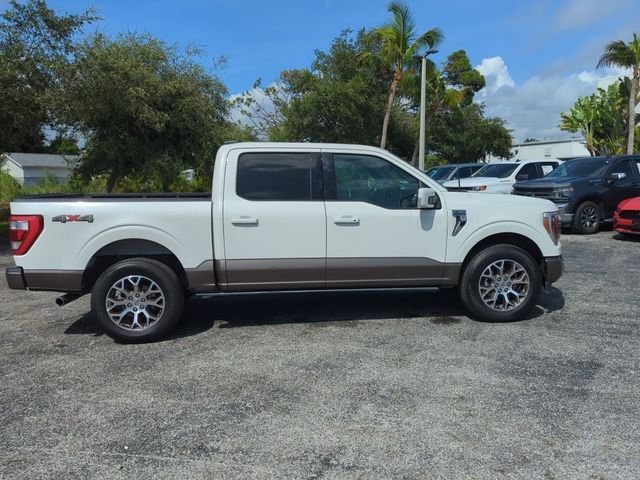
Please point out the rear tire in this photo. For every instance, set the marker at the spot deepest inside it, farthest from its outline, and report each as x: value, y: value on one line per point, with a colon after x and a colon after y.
x: 500, y: 284
x: 137, y: 300
x: 587, y: 219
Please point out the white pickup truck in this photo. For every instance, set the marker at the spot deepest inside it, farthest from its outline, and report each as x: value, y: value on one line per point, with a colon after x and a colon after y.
x: 284, y: 216
x: 500, y: 177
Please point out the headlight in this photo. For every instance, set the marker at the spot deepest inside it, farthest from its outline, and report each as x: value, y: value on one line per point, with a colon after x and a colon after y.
x: 479, y: 188
x: 563, y: 192
x: 551, y: 222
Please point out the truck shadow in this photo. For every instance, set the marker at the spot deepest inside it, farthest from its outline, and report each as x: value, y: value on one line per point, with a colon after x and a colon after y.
x: 443, y: 308
x: 342, y: 309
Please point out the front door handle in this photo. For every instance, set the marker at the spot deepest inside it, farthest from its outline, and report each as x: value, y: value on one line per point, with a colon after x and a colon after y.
x: 244, y: 221
x: 346, y: 220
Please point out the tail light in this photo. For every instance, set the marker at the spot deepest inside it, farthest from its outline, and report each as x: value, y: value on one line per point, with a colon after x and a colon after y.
x: 552, y: 224
x: 23, y: 232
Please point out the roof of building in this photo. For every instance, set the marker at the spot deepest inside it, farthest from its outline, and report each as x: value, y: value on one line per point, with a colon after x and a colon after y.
x: 42, y: 160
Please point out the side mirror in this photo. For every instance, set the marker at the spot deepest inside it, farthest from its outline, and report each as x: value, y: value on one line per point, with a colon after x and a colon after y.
x: 427, y: 198
x: 521, y: 177
x: 612, y: 177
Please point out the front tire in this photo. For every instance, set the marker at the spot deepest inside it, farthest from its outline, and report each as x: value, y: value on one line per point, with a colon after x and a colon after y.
x: 500, y: 284
x: 137, y: 300
x: 587, y: 219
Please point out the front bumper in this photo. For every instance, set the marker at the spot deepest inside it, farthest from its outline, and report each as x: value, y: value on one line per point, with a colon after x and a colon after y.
x: 625, y: 225
x: 566, y: 219
x: 553, y: 268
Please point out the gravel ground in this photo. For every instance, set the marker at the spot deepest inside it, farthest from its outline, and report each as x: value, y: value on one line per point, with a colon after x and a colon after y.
x: 385, y: 385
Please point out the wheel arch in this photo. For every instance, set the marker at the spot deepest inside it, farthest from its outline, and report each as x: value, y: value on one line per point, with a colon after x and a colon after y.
x: 591, y: 197
x: 119, y: 250
x: 508, y: 238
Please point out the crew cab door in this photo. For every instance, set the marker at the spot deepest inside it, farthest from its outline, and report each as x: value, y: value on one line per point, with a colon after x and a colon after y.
x: 274, y: 221
x: 376, y: 236
x: 622, y: 189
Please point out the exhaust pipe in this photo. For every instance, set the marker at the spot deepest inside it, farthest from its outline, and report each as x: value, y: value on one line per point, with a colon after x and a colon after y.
x: 67, y: 298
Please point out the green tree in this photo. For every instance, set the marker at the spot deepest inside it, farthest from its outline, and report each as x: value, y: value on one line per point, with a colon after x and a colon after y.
x: 340, y: 98
x: 145, y: 109
x: 464, y: 134
x: 400, y: 49
x: 582, y: 117
x: 626, y: 55
x: 452, y: 87
x: 601, y: 118
x: 64, y: 145
x: 35, y: 42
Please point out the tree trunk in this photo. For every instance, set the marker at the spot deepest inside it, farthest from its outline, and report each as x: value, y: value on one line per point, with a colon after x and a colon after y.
x: 387, y: 113
x: 111, y: 181
x: 632, y: 110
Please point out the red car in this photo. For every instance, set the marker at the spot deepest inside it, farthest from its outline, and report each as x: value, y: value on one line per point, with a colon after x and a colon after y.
x: 626, y: 218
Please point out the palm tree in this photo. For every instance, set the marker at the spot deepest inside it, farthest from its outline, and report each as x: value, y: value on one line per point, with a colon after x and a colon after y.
x: 400, y: 47
x: 626, y: 55
x: 582, y: 118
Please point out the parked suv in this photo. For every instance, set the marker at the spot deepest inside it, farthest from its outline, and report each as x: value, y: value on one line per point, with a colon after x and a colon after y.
x: 500, y: 177
x: 443, y: 173
x: 587, y: 190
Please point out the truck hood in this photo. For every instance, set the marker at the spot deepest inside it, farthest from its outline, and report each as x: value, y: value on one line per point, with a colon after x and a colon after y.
x: 484, y: 201
x: 554, y: 182
x: 476, y: 181
x: 630, y: 204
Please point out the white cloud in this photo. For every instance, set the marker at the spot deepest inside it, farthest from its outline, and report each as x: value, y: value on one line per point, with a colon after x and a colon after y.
x: 532, y: 109
x: 575, y: 14
x: 496, y: 73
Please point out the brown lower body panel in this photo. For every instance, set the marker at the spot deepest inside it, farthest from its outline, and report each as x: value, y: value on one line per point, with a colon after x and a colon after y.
x: 54, y: 280
x: 280, y: 274
x: 318, y: 273
x: 275, y: 274
x: 383, y: 272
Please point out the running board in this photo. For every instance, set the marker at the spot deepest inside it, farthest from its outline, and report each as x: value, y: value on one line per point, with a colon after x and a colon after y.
x: 324, y: 290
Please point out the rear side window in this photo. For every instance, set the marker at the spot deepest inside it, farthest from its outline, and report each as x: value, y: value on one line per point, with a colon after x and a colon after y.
x: 274, y: 176
x: 464, y: 172
x: 547, y: 167
x: 527, y: 172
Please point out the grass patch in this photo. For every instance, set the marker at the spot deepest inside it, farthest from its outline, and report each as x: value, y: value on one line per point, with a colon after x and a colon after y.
x: 4, y: 230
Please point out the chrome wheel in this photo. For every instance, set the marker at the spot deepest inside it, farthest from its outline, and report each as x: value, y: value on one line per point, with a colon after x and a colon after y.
x: 589, y: 217
x: 135, y: 302
x: 504, y: 285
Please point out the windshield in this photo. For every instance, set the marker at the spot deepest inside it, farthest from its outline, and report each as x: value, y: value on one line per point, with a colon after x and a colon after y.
x: 581, y: 168
x: 496, y: 170
x: 440, y: 173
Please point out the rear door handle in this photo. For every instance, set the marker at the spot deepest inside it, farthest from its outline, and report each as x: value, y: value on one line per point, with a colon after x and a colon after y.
x: 244, y: 221
x: 346, y: 220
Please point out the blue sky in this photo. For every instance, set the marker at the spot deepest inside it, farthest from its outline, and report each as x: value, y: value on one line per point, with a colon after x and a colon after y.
x: 538, y: 56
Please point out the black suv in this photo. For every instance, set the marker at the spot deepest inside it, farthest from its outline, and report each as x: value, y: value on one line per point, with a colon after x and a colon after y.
x: 587, y: 190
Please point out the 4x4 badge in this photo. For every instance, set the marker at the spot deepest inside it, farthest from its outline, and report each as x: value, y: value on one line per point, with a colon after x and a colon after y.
x: 72, y: 218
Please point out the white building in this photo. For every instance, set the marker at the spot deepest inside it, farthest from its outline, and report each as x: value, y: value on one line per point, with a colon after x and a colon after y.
x: 562, y: 149
x: 30, y: 168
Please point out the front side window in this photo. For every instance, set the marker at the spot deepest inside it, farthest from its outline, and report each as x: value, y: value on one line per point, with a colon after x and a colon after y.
x: 440, y: 173
x: 274, y: 176
x: 623, y: 167
x: 363, y: 178
x: 582, y: 167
